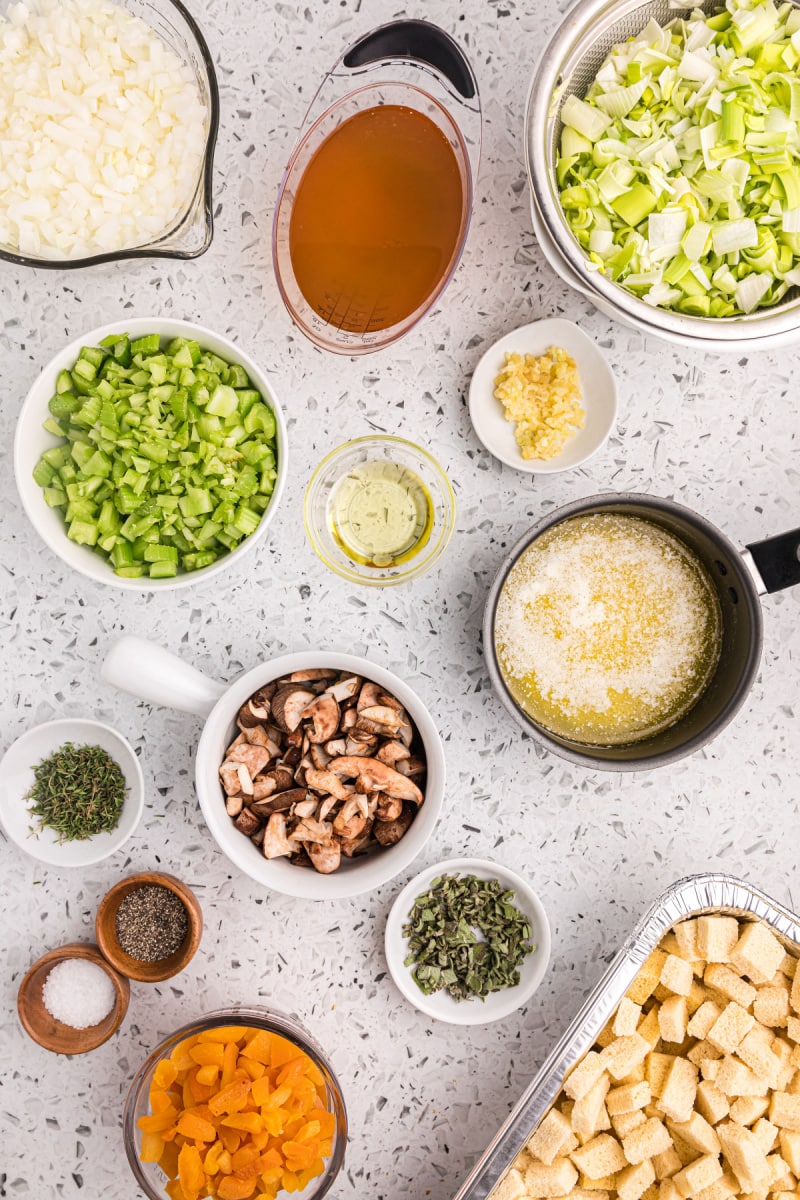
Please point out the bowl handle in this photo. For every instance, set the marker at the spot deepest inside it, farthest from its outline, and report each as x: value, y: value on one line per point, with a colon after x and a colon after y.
x: 777, y: 560
x: 415, y: 39
x: 152, y: 673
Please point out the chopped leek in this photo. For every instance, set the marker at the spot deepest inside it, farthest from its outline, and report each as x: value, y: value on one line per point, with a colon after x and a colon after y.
x: 679, y: 171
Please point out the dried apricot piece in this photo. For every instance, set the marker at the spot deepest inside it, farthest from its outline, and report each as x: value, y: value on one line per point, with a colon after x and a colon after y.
x: 249, y: 1122
x: 152, y: 1147
x: 165, y: 1074
x: 208, y: 1054
x: 281, y: 1051
x: 195, y: 1127
x: 230, y: 1099
x: 224, y: 1033
x: 231, y: 1188
x: 190, y: 1172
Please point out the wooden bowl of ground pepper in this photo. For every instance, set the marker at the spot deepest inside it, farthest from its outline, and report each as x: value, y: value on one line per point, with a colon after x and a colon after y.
x: 149, y: 926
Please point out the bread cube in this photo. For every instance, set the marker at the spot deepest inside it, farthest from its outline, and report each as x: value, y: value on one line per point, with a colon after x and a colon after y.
x: 789, y: 1058
x: 607, y: 1183
x: 709, y: 1068
x: 754, y: 1050
x: 625, y: 1122
x: 648, y: 1140
x: 794, y: 997
x: 589, y: 1114
x: 748, y: 1109
x: 549, y: 1140
x: 583, y: 1077
x: 634, y: 1181
x: 637, y: 1075
x: 790, y: 1148
x: 789, y: 965
x: 730, y: 985
x: 686, y: 937
x: 542, y: 1181
x: 721, y: 1189
x: 703, y: 1019
x: 758, y: 953
x: 648, y: 1027
x: 627, y: 1017
x: 716, y: 938
x: 624, y: 1055
x: 686, y: 1153
x: 710, y: 1102
x: 784, y: 1111
x: 793, y: 1028
x: 657, y: 1067
x: 730, y: 1027
x: 673, y: 1017
x: 697, y: 1133
x: 676, y: 975
x: 667, y: 1163
x: 628, y: 1098
x: 647, y: 980
x: 702, y: 1051
x: 600, y: 1157
x: 771, y: 1006
x: 668, y: 1191
x: 743, y: 1154
x: 765, y: 1133
x: 735, y: 1079
x: 678, y: 1091
x: 583, y: 1193
x: 697, y: 993
x: 698, y: 1175
x: 605, y: 1037
x: 510, y: 1187
x: 651, y: 1192
x: 779, y: 1174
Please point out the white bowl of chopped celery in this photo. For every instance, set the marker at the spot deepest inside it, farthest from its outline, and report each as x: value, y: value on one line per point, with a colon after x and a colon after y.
x: 151, y: 454
x: 664, y: 161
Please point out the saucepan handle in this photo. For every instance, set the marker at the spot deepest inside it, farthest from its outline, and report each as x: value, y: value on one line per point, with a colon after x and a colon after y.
x: 777, y: 560
x: 152, y: 673
x: 420, y: 40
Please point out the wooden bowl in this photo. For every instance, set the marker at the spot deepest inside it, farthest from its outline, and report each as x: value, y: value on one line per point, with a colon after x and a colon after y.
x: 106, y: 929
x: 55, y: 1035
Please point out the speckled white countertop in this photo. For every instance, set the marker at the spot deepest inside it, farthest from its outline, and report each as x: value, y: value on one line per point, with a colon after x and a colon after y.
x: 719, y: 434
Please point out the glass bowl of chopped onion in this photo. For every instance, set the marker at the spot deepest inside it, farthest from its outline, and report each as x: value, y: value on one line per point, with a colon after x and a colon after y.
x: 111, y: 161
x: 263, y: 1116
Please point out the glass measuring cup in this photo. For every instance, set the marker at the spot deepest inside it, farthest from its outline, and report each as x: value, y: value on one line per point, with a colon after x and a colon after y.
x: 414, y: 65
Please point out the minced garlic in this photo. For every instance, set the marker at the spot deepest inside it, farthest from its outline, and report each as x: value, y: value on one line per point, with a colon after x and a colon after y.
x: 543, y: 396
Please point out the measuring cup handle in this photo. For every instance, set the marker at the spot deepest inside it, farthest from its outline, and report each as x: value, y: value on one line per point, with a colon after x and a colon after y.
x: 778, y: 560
x: 415, y: 39
x: 151, y: 673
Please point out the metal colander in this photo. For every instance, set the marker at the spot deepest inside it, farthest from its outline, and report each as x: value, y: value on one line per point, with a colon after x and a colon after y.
x: 569, y: 66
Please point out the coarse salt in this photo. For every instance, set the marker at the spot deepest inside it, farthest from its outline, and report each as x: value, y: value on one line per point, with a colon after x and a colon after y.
x: 78, y: 993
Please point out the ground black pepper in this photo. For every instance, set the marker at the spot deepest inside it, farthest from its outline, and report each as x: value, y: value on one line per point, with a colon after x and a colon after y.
x: 151, y: 923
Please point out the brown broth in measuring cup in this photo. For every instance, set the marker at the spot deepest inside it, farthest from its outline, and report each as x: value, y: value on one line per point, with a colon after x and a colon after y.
x: 376, y: 218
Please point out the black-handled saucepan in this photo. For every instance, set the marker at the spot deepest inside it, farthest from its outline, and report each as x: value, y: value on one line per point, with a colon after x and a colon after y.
x: 739, y: 576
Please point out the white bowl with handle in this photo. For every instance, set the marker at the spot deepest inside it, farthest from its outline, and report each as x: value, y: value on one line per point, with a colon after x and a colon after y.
x: 152, y: 673
x: 32, y: 439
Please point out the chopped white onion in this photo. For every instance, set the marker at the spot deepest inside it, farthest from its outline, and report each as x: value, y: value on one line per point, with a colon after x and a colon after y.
x: 102, y: 126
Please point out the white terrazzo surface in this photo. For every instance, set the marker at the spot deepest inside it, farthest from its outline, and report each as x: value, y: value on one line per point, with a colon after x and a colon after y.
x: 717, y: 434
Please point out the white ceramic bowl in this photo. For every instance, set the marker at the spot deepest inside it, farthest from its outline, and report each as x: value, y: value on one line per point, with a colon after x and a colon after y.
x: 597, y: 381
x: 153, y: 674
x: 16, y: 780
x: 441, y: 1005
x: 31, y: 440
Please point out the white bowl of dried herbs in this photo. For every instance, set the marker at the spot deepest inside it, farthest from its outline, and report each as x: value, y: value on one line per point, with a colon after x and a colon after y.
x: 71, y: 792
x: 467, y: 941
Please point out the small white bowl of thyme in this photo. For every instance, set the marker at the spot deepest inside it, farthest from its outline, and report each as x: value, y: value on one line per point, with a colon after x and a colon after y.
x: 467, y: 941
x: 71, y: 792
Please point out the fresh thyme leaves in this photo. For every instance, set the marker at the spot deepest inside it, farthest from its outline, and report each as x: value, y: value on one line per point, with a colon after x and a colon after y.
x: 79, y: 791
x: 467, y: 937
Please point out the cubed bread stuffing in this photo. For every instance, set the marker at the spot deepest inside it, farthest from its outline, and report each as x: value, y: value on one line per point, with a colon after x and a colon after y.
x: 691, y: 1091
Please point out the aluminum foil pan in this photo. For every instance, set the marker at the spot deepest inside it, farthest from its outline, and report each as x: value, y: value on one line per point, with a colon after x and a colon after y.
x: 691, y: 897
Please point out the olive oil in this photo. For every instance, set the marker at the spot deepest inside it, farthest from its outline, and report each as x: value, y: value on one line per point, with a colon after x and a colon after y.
x: 608, y: 629
x: 380, y: 514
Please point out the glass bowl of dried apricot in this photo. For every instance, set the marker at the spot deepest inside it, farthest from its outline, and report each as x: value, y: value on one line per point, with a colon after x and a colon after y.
x: 240, y: 1105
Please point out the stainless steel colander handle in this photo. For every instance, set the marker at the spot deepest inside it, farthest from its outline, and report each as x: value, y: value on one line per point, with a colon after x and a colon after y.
x: 420, y: 40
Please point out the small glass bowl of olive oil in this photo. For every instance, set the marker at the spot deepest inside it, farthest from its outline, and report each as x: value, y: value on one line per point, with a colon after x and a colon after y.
x: 379, y: 510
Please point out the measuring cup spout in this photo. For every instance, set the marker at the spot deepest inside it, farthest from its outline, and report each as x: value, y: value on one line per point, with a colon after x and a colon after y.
x: 150, y: 672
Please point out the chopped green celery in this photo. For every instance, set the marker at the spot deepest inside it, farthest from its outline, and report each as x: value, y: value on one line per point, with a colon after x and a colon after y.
x: 247, y: 397
x: 236, y: 376
x: 108, y: 520
x: 267, y: 481
x: 196, y: 502
x: 213, y: 363
x: 159, y: 553
x: 208, y: 424
x: 83, y: 532
x: 55, y: 497
x: 81, y: 453
x: 64, y: 404
x: 135, y: 571
x: 151, y: 344
x: 119, y: 348
x: 247, y: 483
x: 185, y: 353
x: 158, y: 371
x: 163, y: 570
x: 97, y: 464
x: 88, y: 413
x: 85, y: 369
x: 261, y: 419
x: 63, y: 382
x: 80, y: 510
x: 194, y: 562
x: 43, y: 473
x: 155, y: 451
x: 57, y: 428
x: 246, y: 521
x: 223, y: 402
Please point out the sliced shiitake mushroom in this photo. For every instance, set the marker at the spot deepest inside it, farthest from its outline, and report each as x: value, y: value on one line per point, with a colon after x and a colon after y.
x: 389, y: 833
x: 288, y: 704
